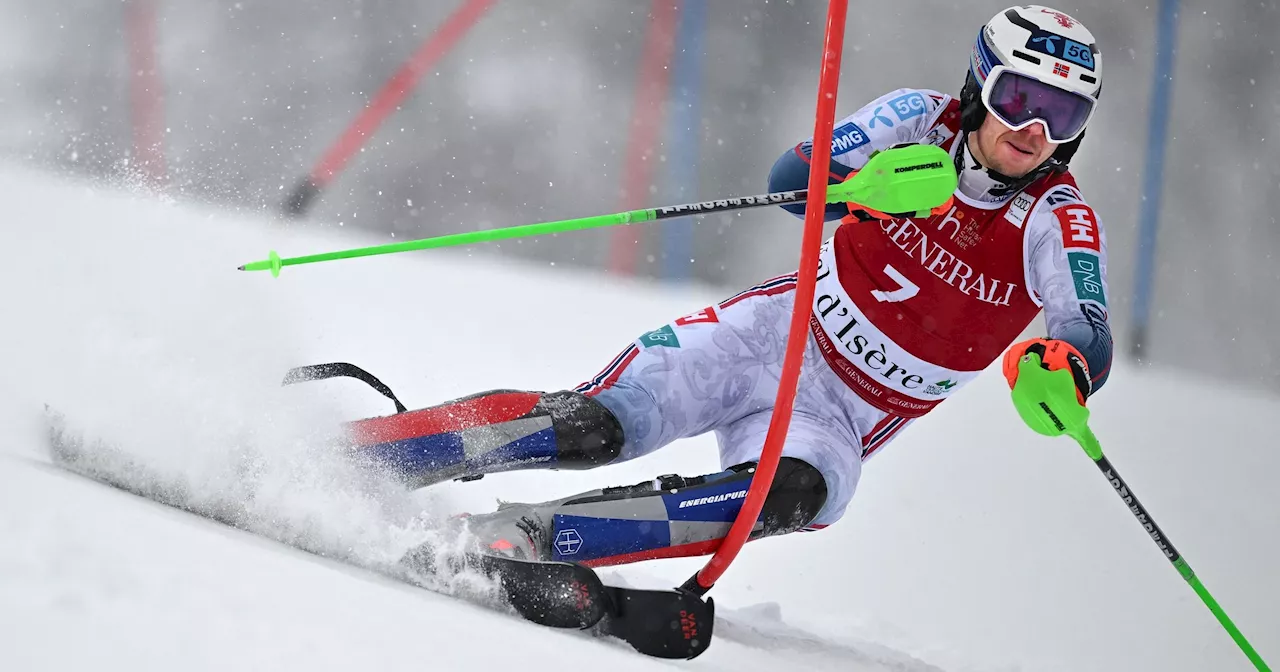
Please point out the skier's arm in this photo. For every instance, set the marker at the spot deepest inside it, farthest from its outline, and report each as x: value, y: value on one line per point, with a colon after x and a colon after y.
x: 904, y: 115
x: 1067, y: 268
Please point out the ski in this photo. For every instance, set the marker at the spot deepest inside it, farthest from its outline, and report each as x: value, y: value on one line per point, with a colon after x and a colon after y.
x: 673, y: 624
x: 662, y: 623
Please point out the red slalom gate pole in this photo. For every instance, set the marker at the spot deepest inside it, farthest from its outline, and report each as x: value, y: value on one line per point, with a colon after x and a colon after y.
x: 798, y: 336
x: 383, y: 104
x: 646, y: 115
x: 145, y: 94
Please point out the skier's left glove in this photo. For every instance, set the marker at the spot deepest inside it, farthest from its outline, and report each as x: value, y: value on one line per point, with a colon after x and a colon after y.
x: 1050, y: 383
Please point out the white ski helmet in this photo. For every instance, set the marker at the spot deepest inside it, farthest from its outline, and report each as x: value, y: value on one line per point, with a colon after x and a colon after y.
x: 1032, y: 64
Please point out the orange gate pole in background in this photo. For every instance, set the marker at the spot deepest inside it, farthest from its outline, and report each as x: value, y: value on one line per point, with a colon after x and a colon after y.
x: 651, y: 95
x: 383, y: 104
x: 146, y: 99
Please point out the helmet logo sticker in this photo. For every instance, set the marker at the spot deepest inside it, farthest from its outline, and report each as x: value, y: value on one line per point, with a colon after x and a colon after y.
x: 1063, y: 20
x: 1061, y: 70
x: 1061, y: 47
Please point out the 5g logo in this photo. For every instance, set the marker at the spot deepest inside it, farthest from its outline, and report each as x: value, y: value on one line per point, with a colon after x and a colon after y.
x: 908, y: 105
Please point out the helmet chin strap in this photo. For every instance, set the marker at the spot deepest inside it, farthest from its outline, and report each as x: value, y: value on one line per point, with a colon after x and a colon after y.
x: 1006, y: 185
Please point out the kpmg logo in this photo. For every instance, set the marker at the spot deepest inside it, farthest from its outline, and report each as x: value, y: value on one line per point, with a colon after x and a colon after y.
x: 847, y: 138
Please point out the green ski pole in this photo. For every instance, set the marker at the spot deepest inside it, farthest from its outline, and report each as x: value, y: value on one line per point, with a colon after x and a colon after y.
x: 907, y: 179
x: 1046, y: 401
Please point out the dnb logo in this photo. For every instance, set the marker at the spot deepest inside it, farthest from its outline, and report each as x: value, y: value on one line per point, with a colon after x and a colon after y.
x: 665, y: 336
x: 568, y: 542
x: 1086, y: 270
x: 847, y: 138
x: 1083, y: 242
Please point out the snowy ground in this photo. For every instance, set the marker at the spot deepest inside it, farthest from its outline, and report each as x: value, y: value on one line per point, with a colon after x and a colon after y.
x: 971, y: 545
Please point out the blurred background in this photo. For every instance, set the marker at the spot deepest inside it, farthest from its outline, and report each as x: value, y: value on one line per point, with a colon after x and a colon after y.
x: 423, y: 118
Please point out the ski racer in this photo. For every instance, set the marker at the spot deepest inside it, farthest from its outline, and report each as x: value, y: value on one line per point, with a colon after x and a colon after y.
x: 907, y: 312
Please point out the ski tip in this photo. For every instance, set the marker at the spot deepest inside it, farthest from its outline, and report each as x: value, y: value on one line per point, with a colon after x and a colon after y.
x: 240, y: 267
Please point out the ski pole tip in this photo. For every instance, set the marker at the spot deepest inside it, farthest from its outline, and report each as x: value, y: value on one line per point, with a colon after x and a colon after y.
x: 273, y: 263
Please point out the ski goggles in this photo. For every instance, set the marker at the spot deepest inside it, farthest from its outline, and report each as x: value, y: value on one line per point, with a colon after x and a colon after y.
x: 1019, y: 100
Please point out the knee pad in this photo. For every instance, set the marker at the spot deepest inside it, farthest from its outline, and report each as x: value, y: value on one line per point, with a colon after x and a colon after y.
x: 587, y: 434
x: 796, y: 497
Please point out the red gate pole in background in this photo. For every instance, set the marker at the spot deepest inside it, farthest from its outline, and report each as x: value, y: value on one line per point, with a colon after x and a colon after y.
x: 798, y: 336
x: 651, y: 94
x: 384, y: 103
x: 146, y: 99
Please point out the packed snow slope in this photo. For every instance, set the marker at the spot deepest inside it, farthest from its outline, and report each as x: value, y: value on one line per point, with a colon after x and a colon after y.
x: 971, y: 545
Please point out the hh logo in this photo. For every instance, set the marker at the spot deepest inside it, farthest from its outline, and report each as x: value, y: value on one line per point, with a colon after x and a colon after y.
x: 1079, y: 227
x: 707, y: 314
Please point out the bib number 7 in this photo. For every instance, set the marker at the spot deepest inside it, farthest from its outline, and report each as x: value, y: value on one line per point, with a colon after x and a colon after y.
x: 907, y: 289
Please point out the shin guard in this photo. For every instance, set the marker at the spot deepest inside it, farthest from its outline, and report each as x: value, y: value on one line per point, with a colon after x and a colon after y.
x: 671, y: 516
x: 501, y: 430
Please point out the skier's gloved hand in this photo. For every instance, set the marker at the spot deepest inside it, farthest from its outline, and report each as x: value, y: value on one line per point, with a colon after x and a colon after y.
x: 861, y: 213
x: 1050, y: 383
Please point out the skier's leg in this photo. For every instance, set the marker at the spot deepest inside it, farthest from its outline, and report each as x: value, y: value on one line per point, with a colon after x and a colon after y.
x: 670, y: 516
x: 673, y: 516
x: 701, y: 372
x: 501, y: 430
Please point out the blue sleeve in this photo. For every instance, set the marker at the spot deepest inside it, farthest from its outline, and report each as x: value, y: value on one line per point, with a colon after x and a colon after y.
x: 1093, y: 341
x: 791, y: 172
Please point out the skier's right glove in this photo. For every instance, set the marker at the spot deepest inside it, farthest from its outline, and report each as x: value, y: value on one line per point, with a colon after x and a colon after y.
x: 1050, y: 383
x: 861, y: 213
